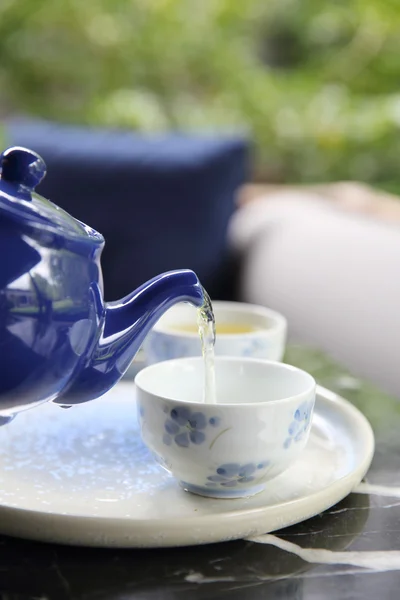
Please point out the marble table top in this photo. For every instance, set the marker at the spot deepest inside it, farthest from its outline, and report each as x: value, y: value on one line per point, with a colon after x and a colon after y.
x: 350, y: 551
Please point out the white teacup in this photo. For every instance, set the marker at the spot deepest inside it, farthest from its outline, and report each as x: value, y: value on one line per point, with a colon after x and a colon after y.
x: 230, y: 449
x: 261, y: 332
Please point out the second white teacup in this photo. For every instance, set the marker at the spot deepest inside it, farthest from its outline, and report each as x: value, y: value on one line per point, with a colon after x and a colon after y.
x: 243, y: 330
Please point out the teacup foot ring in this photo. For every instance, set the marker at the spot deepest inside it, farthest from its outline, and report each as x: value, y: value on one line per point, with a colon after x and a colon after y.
x: 224, y: 493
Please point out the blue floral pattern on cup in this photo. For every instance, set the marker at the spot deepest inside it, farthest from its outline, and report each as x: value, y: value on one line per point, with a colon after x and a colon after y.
x: 185, y: 427
x: 233, y: 474
x: 300, y: 424
x: 254, y: 347
x: 165, y: 348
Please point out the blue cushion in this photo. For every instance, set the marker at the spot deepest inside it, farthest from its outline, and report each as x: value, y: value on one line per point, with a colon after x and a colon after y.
x: 161, y: 201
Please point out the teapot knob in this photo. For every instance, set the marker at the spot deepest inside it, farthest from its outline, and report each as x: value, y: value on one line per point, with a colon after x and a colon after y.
x: 22, y: 166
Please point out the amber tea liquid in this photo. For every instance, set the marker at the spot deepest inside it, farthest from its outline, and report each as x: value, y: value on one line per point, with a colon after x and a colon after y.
x: 221, y: 328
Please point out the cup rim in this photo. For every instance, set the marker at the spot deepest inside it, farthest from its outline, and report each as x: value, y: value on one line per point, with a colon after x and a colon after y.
x: 278, y: 322
x: 233, y: 359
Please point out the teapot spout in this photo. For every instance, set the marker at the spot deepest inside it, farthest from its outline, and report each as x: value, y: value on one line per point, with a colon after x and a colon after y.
x: 124, y: 326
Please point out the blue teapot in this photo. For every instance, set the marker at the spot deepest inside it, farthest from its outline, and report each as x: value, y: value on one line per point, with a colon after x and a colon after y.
x: 59, y: 341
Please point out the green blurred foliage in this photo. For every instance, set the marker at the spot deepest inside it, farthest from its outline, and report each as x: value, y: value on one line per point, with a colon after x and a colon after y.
x: 316, y: 84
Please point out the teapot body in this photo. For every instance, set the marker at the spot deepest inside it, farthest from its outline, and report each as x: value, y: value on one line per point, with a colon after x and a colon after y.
x: 49, y: 315
x: 58, y: 340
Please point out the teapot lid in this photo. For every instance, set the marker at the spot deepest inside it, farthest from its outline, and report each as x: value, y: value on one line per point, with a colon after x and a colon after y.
x: 21, y: 171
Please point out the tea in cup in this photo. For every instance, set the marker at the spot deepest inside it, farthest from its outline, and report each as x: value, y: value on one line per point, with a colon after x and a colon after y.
x: 242, y: 330
x: 256, y: 429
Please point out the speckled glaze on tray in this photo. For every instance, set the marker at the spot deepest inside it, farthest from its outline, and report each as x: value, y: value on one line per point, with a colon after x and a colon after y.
x: 83, y: 476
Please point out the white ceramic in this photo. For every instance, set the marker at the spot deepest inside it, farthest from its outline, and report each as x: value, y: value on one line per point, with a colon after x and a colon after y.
x: 83, y: 476
x: 230, y: 449
x: 164, y: 342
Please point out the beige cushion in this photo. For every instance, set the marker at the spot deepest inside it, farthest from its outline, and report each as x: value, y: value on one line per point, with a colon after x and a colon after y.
x: 334, y: 274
